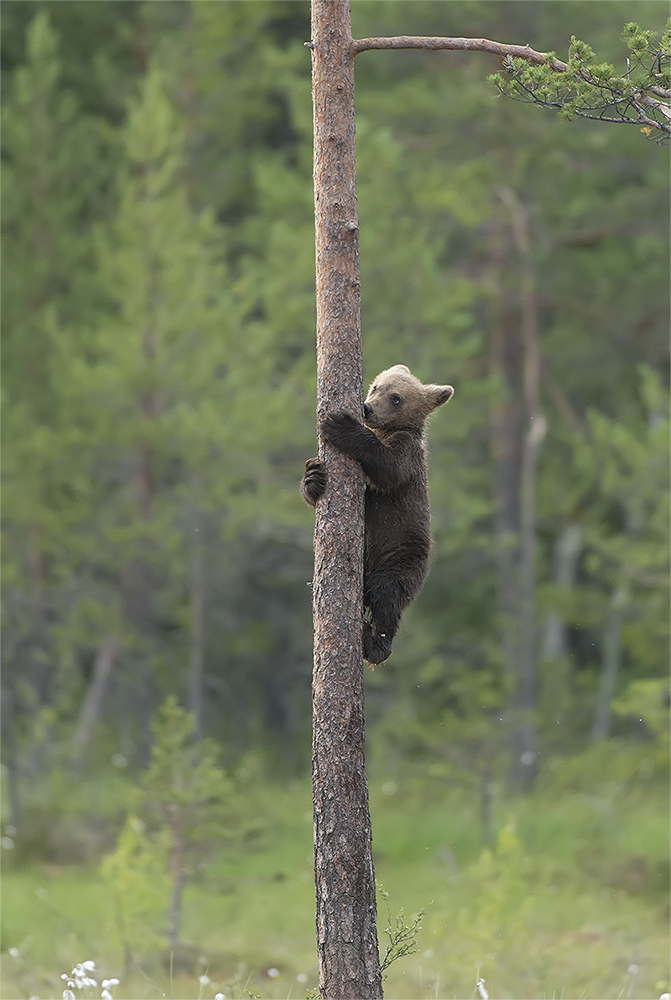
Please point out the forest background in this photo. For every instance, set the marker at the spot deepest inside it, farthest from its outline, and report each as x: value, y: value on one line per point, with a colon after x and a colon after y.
x: 158, y: 405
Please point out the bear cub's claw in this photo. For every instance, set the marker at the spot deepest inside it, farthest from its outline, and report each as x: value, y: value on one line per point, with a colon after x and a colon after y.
x: 338, y: 428
x: 314, y: 480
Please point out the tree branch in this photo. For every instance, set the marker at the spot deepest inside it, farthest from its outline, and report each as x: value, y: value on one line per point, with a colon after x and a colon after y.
x: 637, y: 100
x: 460, y: 44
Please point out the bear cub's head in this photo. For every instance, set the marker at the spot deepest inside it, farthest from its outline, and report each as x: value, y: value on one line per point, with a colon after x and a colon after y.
x: 397, y: 400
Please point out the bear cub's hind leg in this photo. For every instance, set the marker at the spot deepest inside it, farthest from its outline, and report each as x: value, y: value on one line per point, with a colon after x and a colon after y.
x: 386, y: 599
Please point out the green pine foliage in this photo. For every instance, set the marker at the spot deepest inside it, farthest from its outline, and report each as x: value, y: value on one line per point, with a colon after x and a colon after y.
x: 55, y: 175
x: 159, y: 369
x: 587, y: 89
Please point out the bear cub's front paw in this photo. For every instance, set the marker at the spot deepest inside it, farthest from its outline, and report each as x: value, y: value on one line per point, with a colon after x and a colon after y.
x: 314, y: 481
x: 339, y: 429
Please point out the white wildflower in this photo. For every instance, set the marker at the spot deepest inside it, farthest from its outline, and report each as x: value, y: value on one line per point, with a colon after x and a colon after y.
x: 484, y: 995
x: 272, y: 972
x: 301, y: 977
x: 203, y: 980
x: 106, y: 995
x: 81, y: 977
x: 665, y: 996
x: 219, y: 996
x: 68, y: 995
x: 109, y: 982
x: 15, y: 953
x: 633, y: 969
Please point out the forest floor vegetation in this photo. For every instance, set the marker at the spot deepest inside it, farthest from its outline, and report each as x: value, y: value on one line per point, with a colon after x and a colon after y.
x: 569, y: 900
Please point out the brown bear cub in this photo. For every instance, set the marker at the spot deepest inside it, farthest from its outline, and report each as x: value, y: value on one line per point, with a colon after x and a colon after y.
x: 390, y: 449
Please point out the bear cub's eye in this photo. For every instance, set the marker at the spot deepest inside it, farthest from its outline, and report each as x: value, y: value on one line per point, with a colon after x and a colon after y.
x: 396, y: 400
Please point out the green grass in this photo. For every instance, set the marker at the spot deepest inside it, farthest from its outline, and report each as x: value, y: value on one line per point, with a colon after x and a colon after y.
x: 573, y: 902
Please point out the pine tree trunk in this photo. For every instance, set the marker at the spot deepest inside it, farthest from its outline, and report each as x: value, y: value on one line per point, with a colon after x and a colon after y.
x: 349, y: 963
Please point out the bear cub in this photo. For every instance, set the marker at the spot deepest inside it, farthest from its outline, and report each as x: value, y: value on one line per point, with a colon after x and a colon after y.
x: 389, y: 447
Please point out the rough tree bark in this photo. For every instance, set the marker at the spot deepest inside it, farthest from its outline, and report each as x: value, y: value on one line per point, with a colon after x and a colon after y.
x: 349, y: 964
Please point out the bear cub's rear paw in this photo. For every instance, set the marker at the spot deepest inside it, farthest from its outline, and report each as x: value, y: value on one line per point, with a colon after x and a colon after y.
x: 376, y: 648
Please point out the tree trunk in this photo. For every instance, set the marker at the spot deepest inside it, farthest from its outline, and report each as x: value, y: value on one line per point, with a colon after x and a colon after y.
x: 610, y: 664
x: 554, y: 653
x: 505, y: 451
x: 40, y: 667
x: 524, y: 753
x: 90, y: 712
x: 11, y: 752
x: 177, y: 871
x: 505, y: 435
x: 349, y: 964
x: 197, y: 614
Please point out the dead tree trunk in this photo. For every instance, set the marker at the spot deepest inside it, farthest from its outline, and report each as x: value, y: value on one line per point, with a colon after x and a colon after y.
x: 349, y: 964
x: 93, y: 702
x: 554, y: 652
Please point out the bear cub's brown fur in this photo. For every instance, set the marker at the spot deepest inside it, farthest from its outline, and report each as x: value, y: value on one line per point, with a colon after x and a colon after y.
x: 390, y: 449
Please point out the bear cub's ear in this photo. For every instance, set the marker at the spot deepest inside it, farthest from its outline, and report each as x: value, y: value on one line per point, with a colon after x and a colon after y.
x: 438, y: 394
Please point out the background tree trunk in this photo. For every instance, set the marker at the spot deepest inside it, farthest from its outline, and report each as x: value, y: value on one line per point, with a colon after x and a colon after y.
x: 554, y: 652
x: 11, y: 757
x: 610, y: 663
x: 177, y: 872
x: 524, y: 763
x: 197, y: 611
x: 349, y: 964
x: 505, y: 442
x: 93, y: 702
